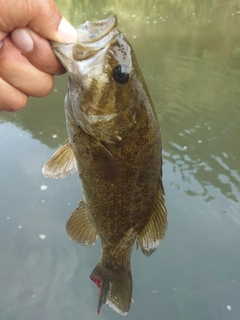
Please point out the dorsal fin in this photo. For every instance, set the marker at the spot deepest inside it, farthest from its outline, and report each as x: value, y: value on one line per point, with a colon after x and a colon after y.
x: 154, y: 231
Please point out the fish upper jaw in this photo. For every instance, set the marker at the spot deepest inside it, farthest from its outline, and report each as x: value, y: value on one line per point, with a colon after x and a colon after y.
x: 80, y: 59
x: 89, y: 51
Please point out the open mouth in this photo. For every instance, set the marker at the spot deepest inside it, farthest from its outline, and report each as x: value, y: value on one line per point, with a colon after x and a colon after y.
x: 92, y: 38
x: 90, y: 32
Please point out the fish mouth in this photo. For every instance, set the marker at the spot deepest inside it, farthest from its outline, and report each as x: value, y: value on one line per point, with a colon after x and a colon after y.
x: 92, y: 38
x: 91, y: 32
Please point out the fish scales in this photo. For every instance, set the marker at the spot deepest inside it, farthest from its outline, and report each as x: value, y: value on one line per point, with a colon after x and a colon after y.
x: 115, y: 191
x: 115, y: 145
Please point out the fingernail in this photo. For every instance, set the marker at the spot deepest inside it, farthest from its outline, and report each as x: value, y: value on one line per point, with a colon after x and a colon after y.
x: 22, y: 40
x: 1, y: 44
x: 67, y: 32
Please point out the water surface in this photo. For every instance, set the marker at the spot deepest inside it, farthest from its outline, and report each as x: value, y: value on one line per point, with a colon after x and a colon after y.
x: 189, y: 52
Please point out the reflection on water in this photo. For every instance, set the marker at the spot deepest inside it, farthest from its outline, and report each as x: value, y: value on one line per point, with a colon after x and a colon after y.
x: 190, y: 55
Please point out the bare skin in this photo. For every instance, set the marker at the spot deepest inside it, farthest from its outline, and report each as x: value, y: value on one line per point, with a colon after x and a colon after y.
x: 27, y: 62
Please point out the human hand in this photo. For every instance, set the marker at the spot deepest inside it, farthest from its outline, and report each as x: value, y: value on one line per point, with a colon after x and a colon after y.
x: 27, y: 62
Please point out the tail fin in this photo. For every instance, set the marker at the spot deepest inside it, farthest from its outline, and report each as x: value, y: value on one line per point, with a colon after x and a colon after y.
x: 114, y: 288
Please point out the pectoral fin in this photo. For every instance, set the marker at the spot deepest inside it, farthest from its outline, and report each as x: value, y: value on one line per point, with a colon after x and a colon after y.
x: 80, y: 228
x: 154, y: 231
x: 61, y: 164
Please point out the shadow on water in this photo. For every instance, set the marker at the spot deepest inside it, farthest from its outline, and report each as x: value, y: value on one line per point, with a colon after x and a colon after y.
x: 189, y: 52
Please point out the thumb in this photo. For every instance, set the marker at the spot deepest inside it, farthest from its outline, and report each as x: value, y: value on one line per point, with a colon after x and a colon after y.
x: 48, y: 22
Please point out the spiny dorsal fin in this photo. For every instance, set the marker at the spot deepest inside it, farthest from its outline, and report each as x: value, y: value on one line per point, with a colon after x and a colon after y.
x: 61, y: 164
x: 154, y: 231
x: 80, y: 228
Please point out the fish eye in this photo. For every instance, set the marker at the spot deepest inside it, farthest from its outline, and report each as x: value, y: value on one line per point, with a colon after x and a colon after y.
x: 120, y: 74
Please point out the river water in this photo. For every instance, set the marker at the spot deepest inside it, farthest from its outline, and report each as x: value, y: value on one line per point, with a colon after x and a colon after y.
x: 189, y: 52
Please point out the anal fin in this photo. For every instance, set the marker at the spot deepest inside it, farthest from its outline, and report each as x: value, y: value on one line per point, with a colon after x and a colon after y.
x: 80, y: 227
x: 154, y: 231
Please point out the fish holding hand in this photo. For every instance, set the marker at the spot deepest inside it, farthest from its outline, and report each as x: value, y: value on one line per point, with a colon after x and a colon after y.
x: 114, y: 144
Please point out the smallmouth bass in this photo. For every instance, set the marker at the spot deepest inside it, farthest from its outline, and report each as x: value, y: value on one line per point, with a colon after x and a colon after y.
x: 115, y: 146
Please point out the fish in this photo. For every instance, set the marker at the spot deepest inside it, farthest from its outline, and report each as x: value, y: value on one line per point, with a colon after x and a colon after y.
x: 114, y: 143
